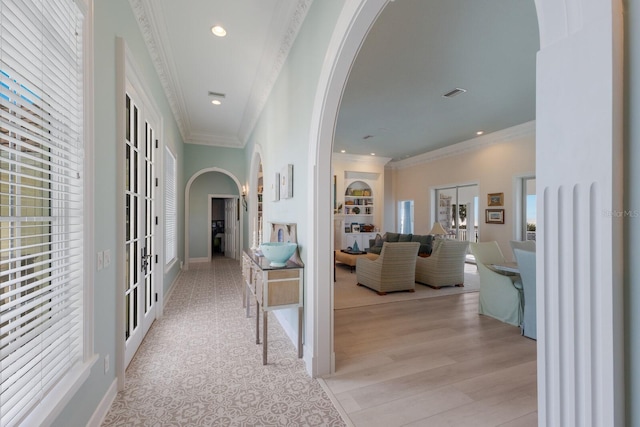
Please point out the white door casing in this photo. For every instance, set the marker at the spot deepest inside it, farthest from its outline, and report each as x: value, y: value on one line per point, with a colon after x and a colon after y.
x: 140, y: 245
x: 149, y: 239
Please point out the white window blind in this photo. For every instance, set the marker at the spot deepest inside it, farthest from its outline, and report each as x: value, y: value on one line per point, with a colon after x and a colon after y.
x: 170, y: 219
x: 41, y: 203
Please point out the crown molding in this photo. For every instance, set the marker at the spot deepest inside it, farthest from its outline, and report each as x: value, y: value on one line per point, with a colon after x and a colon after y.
x: 361, y: 158
x: 213, y: 140
x: 159, y: 51
x: 499, y: 137
x: 272, y: 62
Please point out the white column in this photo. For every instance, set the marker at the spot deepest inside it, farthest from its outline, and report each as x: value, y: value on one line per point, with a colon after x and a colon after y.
x: 579, y: 171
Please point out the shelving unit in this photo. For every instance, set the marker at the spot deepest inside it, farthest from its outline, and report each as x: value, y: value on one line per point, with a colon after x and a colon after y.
x: 362, y: 205
x: 358, y: 209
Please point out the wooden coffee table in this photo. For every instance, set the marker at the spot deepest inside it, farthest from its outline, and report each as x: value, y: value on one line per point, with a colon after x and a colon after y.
x: 349, y: 258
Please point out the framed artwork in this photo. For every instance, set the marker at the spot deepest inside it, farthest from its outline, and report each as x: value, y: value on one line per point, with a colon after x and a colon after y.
x: 275, y: 188
x: 286, y: 182
x: 494, y: 216
x: 355, y: 228
x: 495, y: 199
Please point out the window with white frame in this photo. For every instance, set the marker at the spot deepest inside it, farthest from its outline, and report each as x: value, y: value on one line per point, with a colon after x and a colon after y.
x: 170, y: 215
x: 41, y: 201
x: 405, y: 216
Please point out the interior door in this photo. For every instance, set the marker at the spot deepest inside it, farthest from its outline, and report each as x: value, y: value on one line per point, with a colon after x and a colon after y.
x: 231, y: 213
x: 140, y: 223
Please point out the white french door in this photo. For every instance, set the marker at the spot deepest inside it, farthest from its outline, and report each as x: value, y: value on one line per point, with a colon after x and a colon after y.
x: 141, y: 259
x: 456, y: 211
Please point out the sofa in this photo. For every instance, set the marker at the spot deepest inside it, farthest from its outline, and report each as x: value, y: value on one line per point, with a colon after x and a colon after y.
x: 426, y: 242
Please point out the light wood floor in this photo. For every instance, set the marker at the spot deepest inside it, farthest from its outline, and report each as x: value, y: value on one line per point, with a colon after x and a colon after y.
x: 432, y: 362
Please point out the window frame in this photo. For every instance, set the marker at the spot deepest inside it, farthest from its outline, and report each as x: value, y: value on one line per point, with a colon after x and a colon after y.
x: 170, y: 216
x: 55, y: 399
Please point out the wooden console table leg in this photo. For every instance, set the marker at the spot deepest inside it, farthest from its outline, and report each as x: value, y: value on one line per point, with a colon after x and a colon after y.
x: 265, y: 315
x: 300, y: 315
x: 257, y: 322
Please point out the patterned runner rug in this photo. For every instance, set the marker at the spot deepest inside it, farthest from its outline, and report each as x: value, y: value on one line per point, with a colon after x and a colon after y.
x: 199, y: 364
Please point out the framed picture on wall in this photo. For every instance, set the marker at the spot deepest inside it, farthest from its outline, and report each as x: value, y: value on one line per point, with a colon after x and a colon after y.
x: 286, y: 182
x: 275, y: 188
x: 494, y: 216
x: 495, y: 199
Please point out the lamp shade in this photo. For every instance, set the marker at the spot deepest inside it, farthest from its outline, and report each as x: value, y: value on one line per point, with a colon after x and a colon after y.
x: 437, y: 229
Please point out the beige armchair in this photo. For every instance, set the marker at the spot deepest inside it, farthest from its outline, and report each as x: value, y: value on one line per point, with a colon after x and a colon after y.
x: 445, y: 266
x: 394, y: 270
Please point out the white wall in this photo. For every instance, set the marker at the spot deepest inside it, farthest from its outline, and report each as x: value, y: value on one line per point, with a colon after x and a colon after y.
x: 499, y: 158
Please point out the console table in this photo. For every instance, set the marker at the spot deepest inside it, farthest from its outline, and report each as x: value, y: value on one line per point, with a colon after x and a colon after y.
x: 273, y: 288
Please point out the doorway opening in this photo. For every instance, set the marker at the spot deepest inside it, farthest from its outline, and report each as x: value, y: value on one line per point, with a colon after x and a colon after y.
x: 456, y: 209
x: 224, y: 231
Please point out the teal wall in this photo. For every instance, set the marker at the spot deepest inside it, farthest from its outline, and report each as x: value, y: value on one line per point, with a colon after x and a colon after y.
x: 114, y: 18
x: 205, y: 184
x: 632, y: 204
x: 200, y: 157
x: 283, y: 128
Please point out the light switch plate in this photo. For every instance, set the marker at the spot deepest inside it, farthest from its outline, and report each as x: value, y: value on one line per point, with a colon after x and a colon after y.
x: 107, y: 258
x: 100, y: 261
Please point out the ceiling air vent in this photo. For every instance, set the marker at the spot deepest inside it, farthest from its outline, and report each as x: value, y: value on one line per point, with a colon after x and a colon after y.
x: 457, y: 91
x: 216, y: 94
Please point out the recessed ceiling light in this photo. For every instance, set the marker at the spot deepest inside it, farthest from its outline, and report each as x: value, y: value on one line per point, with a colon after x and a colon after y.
x: 216, y: 102
x: 217, y: 30
x: 343, y: 151
x: 373, y: 154
x: 480, y: 132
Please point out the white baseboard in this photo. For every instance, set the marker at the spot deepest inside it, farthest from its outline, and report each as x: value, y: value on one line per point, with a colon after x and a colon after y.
x: 203, y: 259
x: 171, y: 289
x: 105, y: 404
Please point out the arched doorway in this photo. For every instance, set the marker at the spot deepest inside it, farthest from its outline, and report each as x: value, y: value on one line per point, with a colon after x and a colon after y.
x: 580, y: 360
x: 237, y: 191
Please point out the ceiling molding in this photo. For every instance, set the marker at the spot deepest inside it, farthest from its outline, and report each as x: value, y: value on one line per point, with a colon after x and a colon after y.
x: 164, y: 68
x: 213, y: 140
x: 361, y: 158
x: 272, y: 62
x: 505, y: 135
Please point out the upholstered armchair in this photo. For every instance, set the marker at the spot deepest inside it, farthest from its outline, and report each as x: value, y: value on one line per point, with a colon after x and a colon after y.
x: 526, y: 245
x: 527, y: 266
x: 445, y: 266
x: 500, y: 295
x: 394, y: 270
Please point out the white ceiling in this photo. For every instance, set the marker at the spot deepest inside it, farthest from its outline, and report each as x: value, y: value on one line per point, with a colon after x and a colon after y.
x: 416, y: 51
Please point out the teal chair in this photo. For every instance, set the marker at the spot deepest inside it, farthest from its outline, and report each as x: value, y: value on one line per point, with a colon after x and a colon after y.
x: 527, y: 266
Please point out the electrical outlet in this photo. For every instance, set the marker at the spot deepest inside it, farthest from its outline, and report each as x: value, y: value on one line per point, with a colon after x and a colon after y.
x: 106, y: 364
x: 100, y: 261
x: 107, y: 258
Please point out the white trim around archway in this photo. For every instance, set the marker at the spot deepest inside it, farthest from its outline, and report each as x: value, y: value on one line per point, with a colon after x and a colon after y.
x: 187, y: 193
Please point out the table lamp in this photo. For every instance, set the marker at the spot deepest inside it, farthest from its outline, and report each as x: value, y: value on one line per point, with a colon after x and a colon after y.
x: 437, y: 230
